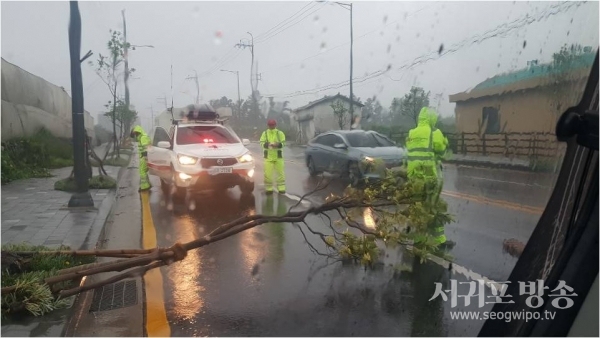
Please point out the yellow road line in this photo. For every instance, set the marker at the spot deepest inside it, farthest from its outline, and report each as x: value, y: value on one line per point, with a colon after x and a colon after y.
x: 157, y: 324
x: 499, y: 203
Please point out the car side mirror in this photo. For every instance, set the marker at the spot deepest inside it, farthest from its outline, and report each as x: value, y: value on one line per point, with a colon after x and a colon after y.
x: 164, y: 144
x: 246, y: 142
x: 340, y: 146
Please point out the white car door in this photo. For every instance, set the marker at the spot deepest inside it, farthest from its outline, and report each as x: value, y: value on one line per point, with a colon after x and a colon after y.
x: 159, y: 159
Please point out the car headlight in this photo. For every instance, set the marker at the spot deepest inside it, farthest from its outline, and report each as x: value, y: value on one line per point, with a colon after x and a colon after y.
x: 368, y: 159
x: 187, y: 160
x: 245, y: 158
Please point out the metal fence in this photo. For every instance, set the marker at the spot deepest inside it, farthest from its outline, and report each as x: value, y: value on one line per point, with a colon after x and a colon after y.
x: 521, y: 145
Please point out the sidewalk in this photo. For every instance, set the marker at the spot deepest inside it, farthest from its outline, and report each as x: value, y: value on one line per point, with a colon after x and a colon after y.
x: 33, y: 212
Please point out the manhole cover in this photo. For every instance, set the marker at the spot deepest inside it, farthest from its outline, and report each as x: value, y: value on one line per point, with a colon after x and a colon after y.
x: 115, y: 296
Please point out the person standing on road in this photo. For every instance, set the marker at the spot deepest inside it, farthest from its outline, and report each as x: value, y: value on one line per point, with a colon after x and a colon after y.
x: 440, y: 145
x: 140, y: 136
x: 272, y: 141
x: 422, y: 147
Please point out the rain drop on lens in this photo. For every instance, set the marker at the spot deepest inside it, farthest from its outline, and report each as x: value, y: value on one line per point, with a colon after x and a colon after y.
x: 323, y: 46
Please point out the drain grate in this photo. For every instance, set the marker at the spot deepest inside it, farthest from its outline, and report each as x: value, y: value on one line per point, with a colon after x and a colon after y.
x: 115, y: 296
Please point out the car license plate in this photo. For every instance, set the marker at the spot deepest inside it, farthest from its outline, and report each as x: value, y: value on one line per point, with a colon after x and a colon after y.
x: 216, y: 171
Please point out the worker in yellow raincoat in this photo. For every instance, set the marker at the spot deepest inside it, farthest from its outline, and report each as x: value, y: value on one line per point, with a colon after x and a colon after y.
x: 422, y: 144
x: 140, y: 136
x: 272, y: 141
x: 440, y: 145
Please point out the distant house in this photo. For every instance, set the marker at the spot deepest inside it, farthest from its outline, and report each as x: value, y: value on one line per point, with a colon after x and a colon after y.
x: 515, y: 114
x: 317, y: 116
x: 527, y: 100
x: 164, y: 119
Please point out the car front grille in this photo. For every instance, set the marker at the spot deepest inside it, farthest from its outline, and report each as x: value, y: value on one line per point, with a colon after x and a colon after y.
x: 215, y: 162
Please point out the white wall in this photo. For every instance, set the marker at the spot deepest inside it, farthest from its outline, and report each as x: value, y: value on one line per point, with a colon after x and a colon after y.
x: 30, y: 103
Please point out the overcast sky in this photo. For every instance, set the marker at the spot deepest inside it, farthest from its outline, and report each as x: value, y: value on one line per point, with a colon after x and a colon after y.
x: 313, y: 52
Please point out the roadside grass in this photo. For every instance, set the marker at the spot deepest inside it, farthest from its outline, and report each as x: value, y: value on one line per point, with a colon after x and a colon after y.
x: 96, y: 182
x: 31, y: 295
x: 116, y: 162
x: 30, y: 157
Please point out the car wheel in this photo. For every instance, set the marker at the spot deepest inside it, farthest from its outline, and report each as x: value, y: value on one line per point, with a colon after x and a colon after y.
x: 354, y: 174
x: 247, y: 188
x: 177, y: 192
x: 312, y: 169
x: 164, y: 186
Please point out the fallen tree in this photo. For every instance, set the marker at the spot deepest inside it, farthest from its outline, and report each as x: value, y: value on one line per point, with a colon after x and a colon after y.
x: 399, y: 214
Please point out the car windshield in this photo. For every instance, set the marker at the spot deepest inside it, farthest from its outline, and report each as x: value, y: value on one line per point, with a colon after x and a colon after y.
x: 204, y: 134
x: 362, y: 139
x: 447, y: 111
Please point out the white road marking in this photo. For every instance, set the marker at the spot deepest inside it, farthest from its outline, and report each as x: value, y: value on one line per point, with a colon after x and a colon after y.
x: 470, y: 274
x: 297, y: 199
x: 508, y: 182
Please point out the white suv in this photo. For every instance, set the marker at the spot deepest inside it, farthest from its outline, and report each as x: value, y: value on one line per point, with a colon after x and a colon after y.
x: 198, y: 155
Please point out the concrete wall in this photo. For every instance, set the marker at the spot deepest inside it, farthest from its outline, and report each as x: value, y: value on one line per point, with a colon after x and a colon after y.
x: 30, y: 102
x: 527, y: 111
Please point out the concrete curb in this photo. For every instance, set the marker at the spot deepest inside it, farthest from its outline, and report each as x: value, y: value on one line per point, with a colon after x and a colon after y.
x: 81, y: 302
x: 105, y: 211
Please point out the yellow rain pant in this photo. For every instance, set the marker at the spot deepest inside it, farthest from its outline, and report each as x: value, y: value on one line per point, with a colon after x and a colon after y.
x: 276, y: 167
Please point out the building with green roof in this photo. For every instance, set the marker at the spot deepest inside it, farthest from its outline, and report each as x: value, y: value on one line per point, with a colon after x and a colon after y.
x: 528, y: 101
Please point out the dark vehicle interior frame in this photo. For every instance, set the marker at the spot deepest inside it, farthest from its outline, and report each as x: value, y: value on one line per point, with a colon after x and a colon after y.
x: 564, y: 244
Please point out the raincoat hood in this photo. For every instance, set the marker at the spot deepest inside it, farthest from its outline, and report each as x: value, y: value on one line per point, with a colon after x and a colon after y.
x: 424, y: 118
x: 138, y: 129
x: 433, y: 117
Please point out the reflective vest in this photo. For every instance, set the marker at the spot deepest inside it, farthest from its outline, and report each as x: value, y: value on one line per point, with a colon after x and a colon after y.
x: 272, y: 136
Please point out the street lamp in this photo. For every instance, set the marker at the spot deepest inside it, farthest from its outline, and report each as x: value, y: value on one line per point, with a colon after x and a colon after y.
x: 237, y: 73
x: 348, y: 6
x: 141, y: 46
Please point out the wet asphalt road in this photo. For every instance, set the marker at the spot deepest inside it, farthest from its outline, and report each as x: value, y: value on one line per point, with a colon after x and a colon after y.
x: 267, y: 282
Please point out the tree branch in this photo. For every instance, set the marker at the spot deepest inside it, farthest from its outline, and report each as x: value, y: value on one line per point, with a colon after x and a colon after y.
x: 312, y: 248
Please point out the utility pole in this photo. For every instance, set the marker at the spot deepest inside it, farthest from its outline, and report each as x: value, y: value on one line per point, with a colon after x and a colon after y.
x: 126, y: 59
x: 252, y: 75
x: 253, y: 81
x: 195, y: 78
x: 237, y: 73
x: 348, y: 6
x: 152, y: 116
x: 81, y: 197
x: 171, y: 89
x: 351, y: 69
x: 163, y: 100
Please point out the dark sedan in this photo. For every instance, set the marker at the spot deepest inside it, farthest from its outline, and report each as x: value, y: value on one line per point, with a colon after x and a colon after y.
x: 345, y: 152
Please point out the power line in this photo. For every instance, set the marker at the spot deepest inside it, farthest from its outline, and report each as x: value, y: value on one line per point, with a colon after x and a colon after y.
x: 500, y: 30
x: 259, y: 36
x: 227, y: 57
x: 348, y: 42
x: 274, y: 34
